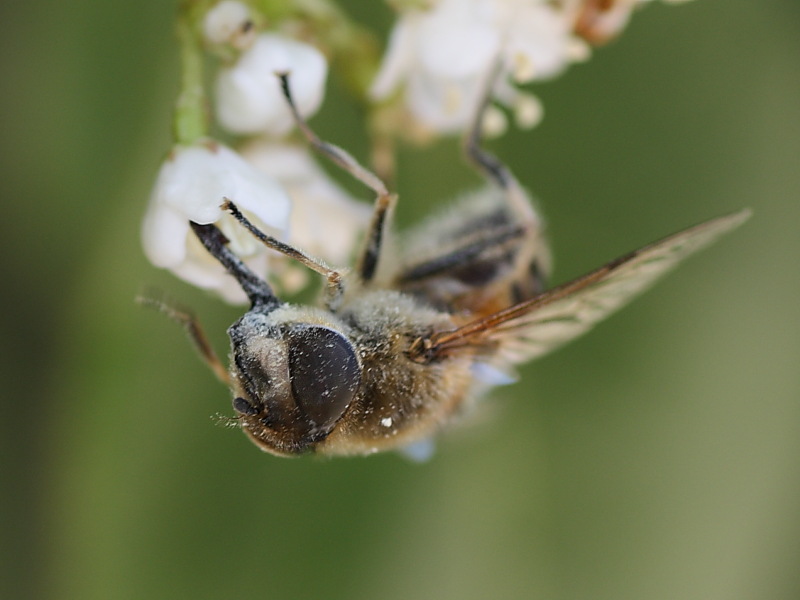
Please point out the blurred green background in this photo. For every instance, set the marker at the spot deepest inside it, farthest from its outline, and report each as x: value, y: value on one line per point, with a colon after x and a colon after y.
x: 658, y: 457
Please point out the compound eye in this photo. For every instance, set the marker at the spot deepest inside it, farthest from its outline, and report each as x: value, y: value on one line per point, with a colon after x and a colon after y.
x: 243, y: 407
x: 324, y: 373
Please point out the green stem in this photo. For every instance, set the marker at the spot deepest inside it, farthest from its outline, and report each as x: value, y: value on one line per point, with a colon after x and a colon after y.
x: 190, y: 120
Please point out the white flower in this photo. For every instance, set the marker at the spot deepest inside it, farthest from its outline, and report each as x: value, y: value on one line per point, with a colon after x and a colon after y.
x: 248, y: 94
x: 445, y: 54
x: 229, y: 22
x: 191, y: 185
x: 326, y: 221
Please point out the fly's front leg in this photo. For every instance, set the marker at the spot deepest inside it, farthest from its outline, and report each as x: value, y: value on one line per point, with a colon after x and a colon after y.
x: 194, y: 330
x: 257, y: 290
x: 335, y: 288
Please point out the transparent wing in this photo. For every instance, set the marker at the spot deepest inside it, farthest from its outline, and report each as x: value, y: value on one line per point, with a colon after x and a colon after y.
x: 532, y: 328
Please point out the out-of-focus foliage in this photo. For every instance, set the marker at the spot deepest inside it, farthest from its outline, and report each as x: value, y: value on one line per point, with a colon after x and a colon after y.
x: 655, y: 458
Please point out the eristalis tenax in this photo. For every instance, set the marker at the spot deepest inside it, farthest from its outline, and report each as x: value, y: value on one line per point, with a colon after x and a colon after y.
x: 406, y: 341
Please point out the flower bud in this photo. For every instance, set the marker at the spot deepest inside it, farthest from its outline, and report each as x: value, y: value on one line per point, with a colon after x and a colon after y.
x: 249, y: 99
x: 229, y: 22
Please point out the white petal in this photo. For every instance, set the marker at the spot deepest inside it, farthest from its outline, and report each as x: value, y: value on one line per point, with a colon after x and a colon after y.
x: 191, y: 185
x: 287, y: 163
x: 539, y: 43
x: 528, y: 111
x: 227, y: 23
x: 326, y: 221
x: 494, y: 122
x: 200, y: 178
x: 164, y: 233
x: 397, y: 59
x: 248, y: 95
x: 454, y: 43
x: 445, y: 106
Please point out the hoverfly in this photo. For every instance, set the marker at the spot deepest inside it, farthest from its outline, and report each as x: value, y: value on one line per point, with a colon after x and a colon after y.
x: 401, y: 345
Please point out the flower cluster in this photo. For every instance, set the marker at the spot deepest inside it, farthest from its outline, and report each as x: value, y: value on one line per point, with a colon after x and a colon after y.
x: 448, y: 54
x: 190, y: 186
x: 275, y: 183
x: 443, y: 58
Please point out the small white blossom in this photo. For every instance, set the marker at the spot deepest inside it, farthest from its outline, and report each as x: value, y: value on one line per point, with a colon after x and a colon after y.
x: 528, y: 110
x: 494, y: 123
x: 445, y: 54
x: 326, y: 221
x: 191, y: 185
x: 443, y: 51
x: 248, y: 94
x: 229, y: 22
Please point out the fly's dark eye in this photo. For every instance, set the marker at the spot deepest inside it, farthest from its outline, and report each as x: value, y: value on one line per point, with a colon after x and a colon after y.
x: 243, y: 407
x: 324, y: 373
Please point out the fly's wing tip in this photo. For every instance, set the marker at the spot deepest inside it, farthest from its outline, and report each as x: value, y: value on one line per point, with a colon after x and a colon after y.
x: 734, y: 220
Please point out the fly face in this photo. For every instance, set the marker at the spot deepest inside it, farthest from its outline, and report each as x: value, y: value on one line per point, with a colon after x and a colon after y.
x: 292, y: 380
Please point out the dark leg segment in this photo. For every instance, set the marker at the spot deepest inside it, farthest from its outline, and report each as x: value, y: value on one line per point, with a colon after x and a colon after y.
x: 368, y: 261
x: 490, y: 164
x: 257, y: 290
x: 332, y: 275
x: 460, y: 257
x: 485, y: 161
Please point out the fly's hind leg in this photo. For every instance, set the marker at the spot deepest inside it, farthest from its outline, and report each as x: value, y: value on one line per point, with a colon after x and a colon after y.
x: 335, y: 287
x: 368, y: 260
x: 491, y: 166
x: 479, y: 258
x: 492, y: 254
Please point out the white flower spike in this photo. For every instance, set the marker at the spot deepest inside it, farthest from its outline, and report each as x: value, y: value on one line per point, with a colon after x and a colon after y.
x: 248, y: 94
x: 191, y: 185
